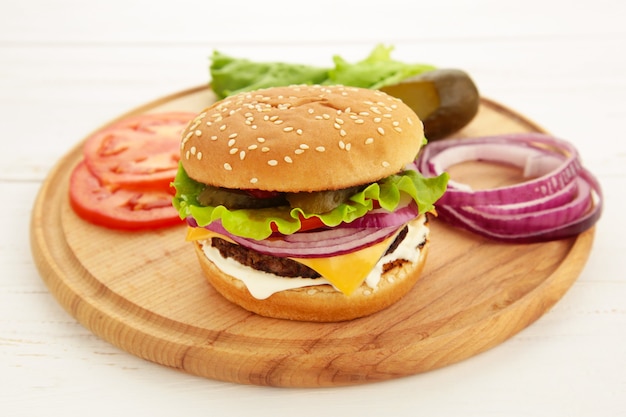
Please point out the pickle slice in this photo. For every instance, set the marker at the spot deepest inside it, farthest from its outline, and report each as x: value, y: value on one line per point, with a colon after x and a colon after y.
x: 236, y: 199
x: 320, y: 201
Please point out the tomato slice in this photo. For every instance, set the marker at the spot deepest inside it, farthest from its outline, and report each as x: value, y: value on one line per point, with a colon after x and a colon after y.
x: 119, y: 208
x: 139, y: 151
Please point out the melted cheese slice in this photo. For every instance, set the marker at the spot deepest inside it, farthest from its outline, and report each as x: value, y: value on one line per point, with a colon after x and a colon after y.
x: 345, y: 272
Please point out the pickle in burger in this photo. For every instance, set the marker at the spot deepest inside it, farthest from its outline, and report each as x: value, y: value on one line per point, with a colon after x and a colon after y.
x: 304, y: 202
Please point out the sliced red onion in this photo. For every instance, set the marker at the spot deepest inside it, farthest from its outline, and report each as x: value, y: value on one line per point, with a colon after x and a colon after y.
x: 561, y: 200
x: 561, y: 197
x: 524, y: 150
x: 315, y: 244
x: 381, y: 218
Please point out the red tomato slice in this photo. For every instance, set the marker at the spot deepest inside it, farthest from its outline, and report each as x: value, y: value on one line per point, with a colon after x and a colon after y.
x: 119, y: 208
x: 138, y: 152
x: 306, y: 225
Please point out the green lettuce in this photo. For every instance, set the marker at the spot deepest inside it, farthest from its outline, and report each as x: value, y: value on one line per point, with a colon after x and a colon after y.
x: 375, y: 71
x: 231, y: 75
x: 258, y: 223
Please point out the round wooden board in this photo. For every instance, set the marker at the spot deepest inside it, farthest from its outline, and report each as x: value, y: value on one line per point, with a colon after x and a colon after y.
x: 145, y: 292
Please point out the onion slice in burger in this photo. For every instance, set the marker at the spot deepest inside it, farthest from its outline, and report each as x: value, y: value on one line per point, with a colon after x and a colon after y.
x: 316, y: 244
x: 560, y: 199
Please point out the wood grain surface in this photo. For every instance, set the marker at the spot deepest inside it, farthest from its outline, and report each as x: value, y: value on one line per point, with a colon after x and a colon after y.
x: 145, y: 292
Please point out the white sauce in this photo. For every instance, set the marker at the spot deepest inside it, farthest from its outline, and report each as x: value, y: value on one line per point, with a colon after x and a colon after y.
x: 262, y: 284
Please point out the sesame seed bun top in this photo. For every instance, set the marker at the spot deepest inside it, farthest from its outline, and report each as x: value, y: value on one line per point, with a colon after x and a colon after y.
x: 301, y: 138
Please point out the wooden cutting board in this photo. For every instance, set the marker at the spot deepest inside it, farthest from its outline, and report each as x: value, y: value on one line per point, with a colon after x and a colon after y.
x: 145, y: 292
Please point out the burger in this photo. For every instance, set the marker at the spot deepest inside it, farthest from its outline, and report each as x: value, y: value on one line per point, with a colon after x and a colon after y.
x: 303, y: 202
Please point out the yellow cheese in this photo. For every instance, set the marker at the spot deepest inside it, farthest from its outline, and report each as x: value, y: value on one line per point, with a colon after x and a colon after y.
x: 200, y: 233
x: 345, y: 272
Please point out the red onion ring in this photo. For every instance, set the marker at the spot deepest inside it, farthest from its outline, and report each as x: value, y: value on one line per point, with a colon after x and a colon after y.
x: 517, y: 149
x: 561, y: 200
x: 381, y: 218
x: 315, y: 244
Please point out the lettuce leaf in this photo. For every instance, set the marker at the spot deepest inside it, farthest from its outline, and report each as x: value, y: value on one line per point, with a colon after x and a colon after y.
x: 231, y: 75
x: 257, y: 223
x: 375, y: 71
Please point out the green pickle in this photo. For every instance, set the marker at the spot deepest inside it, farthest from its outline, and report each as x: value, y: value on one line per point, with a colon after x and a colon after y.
x: 446, y: 100
x: 320, y: 201
x: 236, y: 199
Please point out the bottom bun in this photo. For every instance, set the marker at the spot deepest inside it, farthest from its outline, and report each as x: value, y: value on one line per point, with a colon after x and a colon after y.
x: 319, y: 303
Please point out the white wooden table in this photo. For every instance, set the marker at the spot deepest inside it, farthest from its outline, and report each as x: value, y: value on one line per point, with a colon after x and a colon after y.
x: 67, y: 67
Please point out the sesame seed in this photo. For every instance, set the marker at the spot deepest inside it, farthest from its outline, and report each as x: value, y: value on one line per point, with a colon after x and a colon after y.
x: 304, y: 146
x: 232, y: 135
x: 369, y: 141
x: 242, y: 155
x: 337, y: 126
x: 213, y: 137
x: 320, y: 149
x: 348, y: 146
x: 260, y: 140
x: 299, y: 131
x: 339, y: 121
x: 298, y: 151
x: 187, y: 155
x: 265, y: 149
x: 194, y: 125
x: 398, y: 129
x: 385, y: 164
x: 198, y: 132
x: 375, y: 110
x: 278, y: 122
x: 199, y: 155
x: 252, y: 147
x: 318, y: 117
x: 381, y: 130
x: 288, y: 129
x: 273, y: 118
x: 223, y: 127
x: 254, y: 180
x: 193, y: 150
x: 359, y: 121
x: 342, y: 144
x: 409, y: 120
x: 311, y: 111
x: 231, y: 142
x: 233, y: 151
x: 377, y: 120
x: 227, y: 167
x: 396, y: 123
x: 272, y: 162
x: 364, y: 113
x: 288, y: 159
x: 342, y: 132
x: 325, y: 116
